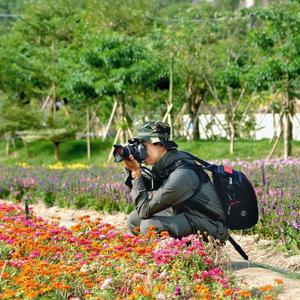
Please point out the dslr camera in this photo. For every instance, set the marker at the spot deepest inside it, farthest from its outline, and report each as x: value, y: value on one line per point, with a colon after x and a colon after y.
x: 137, y: 149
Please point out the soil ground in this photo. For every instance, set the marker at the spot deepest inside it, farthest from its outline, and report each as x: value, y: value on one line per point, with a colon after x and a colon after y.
x: 258, y: 250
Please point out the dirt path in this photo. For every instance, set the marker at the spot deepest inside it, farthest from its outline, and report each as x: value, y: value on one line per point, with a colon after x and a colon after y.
x: 261, y: 251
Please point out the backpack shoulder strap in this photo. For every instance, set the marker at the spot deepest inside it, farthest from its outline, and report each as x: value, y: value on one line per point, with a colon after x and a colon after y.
x: 207, y: 166
x: 184, y: 163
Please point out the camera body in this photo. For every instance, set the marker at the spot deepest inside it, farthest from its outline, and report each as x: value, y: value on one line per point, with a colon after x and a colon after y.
x: 137, y: 149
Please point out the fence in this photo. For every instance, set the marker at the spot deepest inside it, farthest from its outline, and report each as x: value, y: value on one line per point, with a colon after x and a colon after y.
x: 266, y: 125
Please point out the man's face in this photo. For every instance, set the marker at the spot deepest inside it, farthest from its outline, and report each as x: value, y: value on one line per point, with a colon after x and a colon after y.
x: 154, y: 152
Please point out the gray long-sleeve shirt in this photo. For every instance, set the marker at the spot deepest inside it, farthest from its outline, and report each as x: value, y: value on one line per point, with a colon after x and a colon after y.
x: 180, y: 192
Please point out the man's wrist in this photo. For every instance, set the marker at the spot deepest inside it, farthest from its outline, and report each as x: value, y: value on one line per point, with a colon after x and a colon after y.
x: 136, y: 174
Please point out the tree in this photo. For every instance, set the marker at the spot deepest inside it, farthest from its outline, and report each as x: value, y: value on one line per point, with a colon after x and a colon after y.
x: 37, y: 52
x: 116, y: 66
x: 9, y: 10
x: 15, y: 117
x: 227, y: 78
x: 195, y: 41
x: 35, y: 48
x: 276, y: 37
x: 132, y: 18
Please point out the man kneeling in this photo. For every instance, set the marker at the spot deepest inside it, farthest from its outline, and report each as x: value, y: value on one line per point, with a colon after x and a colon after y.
x: 174, y: 197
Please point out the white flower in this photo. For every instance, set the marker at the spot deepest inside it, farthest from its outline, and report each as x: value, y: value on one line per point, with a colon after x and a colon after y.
x: 105, y: 283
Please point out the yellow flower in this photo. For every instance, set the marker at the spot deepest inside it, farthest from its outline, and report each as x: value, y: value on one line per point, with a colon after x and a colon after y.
x: 77, y: 166
x: 57, y: 166
x: 23, y: 164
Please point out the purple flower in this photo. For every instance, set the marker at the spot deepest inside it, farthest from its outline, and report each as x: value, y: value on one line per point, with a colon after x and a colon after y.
x: 177, y: 291
x: 296, y: 225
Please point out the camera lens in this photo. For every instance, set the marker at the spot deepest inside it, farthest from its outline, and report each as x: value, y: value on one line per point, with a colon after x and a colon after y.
x: 120, y: 153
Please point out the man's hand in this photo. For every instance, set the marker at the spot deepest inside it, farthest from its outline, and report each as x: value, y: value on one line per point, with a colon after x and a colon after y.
x: 134, y: 166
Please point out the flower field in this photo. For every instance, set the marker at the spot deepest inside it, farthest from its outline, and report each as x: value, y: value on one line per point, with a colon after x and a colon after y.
x: 66, y: 186
x: 92, y: 260
x: 275, y: 181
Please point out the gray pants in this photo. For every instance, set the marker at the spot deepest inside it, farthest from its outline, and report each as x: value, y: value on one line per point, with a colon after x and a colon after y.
x: 176, y: 225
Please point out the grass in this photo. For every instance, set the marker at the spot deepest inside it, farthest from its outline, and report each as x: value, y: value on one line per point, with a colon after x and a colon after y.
x: 42, y: 152
x: 244, y: 149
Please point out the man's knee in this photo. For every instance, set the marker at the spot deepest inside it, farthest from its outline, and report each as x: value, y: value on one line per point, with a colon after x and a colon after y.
x: 133, y: 221
x: 149, y: 224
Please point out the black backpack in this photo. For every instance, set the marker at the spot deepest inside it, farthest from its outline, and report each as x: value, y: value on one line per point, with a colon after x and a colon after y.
x: 236, y: 193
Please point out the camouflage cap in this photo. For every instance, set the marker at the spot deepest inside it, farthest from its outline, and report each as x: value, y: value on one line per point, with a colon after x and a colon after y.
x: 155, y: 132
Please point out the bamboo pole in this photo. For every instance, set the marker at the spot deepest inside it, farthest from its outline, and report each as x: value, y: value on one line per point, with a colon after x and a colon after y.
x: 110, y: 119
x: 115, y: 141
x: 275, y: 145
x: 167, y: 112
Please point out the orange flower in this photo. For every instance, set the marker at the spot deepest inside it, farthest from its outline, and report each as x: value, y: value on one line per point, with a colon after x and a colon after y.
x: 268, y: 297
x: 164, y: 234
x: 8, y: 294
x: 245, y: 293
x: 198, y: 288
x: 151, y: 232
x: 141, y: 291
x: 60, y: 285
x: 5, y: 275
x: 84, y: 217
x: 160, y: 287
x: 228, y: 292
x: 266, y: 288
x: 279, y: 281
x: 136, y: 229
x: 31, y: 294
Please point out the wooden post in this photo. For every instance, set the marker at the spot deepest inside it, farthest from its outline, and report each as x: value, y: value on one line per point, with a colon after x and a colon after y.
x: 115, y: 141
x: 26, y: 148
x: 110, y: 119
x: 170, y: 100
x: 128, y: 128
x: 56, y: 151
x: 171, y: 97
x: 195, y: 119
x: 167, y: 112
x: 179, y: 118
x: 7, y: 148
x: 274, y: 125
x: 204, y: 129
x: 47, y: 99
x: 197, y: 115
x: 53, y: 104
x: 275, y: 145
x: 88, y: 142
x: 181, y: 113
x: 288, y: 125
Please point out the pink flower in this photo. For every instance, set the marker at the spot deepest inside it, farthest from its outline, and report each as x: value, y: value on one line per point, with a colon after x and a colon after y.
x: 213, y: 273
x: 177, y: 291
x: 78, y: 255
x: 34, y: 254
